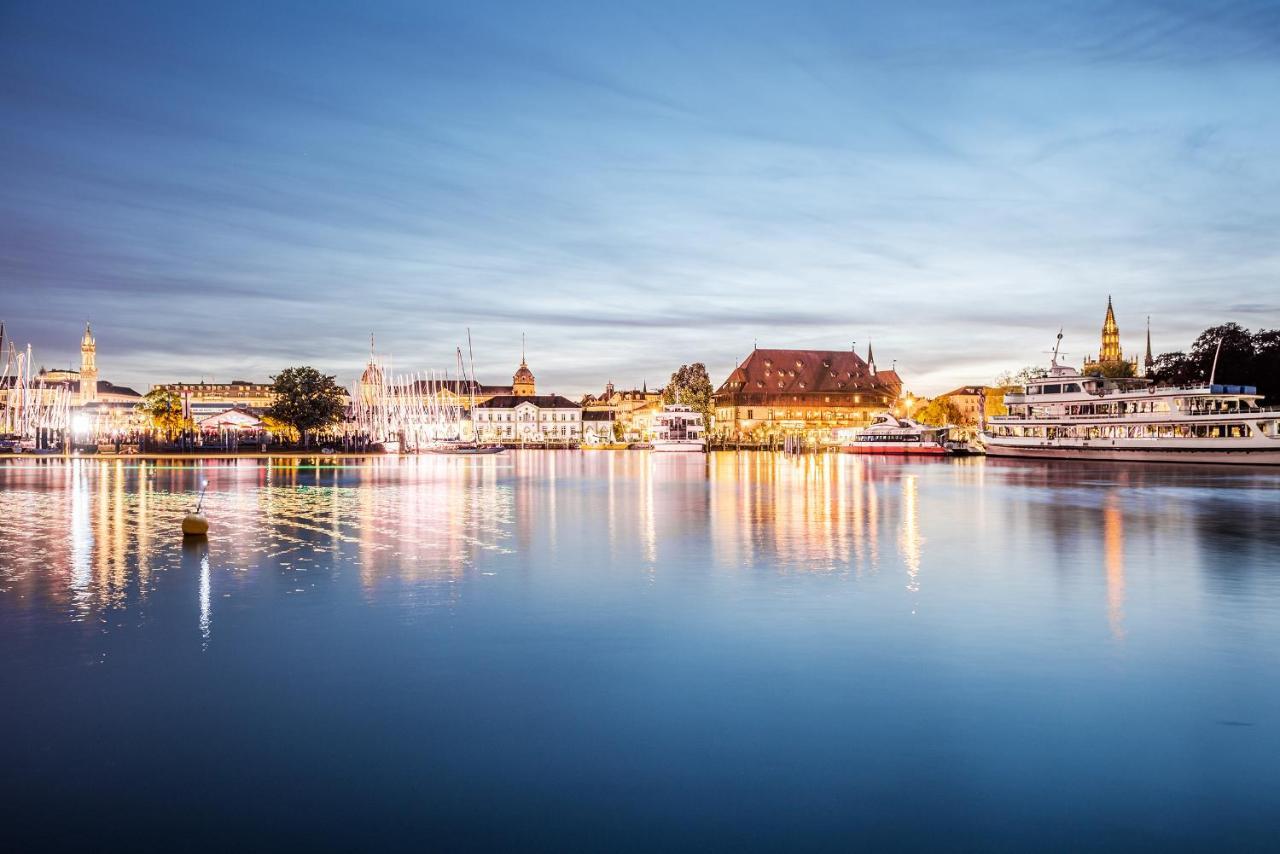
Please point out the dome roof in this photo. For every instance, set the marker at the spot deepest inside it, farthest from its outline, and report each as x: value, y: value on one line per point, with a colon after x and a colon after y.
x: 372, y: 374
x: 523, y: 374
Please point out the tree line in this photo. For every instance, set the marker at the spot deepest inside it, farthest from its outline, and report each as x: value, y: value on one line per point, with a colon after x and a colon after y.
x: 1246, y: 358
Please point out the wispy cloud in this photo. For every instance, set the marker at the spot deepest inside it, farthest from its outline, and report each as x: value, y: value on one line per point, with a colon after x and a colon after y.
x: 227, y: 193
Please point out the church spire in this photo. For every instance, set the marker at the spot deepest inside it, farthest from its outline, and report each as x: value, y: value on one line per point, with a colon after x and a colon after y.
x: 1110, y: 351
x: 871, y: 359
x: 1148, y: 362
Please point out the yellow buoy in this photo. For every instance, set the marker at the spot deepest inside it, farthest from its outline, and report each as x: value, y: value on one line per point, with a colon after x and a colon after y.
x: 194, y: 525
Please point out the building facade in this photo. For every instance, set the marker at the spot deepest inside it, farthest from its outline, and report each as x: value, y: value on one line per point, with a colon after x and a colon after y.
x: 526, y: 416
x: 633, y: 408
x: 598, y: 427
x: 208, y: 398
x: 969, y: 400
x: 532, y: 418
x: 813, y: 393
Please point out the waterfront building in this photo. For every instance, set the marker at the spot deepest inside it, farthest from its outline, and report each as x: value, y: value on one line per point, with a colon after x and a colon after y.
x: 1110, y: 360
x: 968, y: 400
x: 98, y: 407
x: 204, y: 398
x: 635, y: 409
x: 812, y: 393
x: 523, y: 415
x: 597, y: 427
x: 534, y: 418
x: 84, y: 386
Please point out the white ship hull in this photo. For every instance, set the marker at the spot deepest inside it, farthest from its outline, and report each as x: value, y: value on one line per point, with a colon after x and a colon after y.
x: 1245, y: 452
x: 687, y: 446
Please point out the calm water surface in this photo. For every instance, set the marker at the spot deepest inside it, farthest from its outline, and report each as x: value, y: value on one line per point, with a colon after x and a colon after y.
x: 612, y: 651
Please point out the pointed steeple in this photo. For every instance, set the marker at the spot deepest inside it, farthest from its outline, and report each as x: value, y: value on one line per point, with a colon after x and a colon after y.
x: 1148, y: 362
x: 871, y: 359
x: 1110, y: 351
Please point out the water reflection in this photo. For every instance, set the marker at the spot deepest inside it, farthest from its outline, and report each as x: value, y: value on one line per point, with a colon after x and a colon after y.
x: 1113, y: 537
x: 87, y: 537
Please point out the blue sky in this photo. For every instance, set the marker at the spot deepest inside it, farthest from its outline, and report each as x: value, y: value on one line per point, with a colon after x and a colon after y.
x: 228, y: 188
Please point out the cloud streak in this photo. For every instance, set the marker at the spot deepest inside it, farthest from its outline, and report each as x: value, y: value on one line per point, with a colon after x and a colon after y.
x: 228, y: 193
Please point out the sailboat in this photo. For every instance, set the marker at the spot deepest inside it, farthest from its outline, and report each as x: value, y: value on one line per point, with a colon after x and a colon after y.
x: 460, y: 446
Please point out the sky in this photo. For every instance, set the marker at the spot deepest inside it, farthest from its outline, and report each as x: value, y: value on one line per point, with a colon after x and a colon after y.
x: 226, y: 189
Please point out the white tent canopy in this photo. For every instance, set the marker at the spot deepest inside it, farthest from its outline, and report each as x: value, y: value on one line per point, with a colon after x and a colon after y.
x: 232, y: 419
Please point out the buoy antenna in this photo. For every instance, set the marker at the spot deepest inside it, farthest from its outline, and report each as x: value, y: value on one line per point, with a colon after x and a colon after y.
x: 204, y: 484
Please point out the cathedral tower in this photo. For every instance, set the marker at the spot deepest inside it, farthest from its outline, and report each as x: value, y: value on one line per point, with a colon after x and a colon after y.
x: 1110, y: 351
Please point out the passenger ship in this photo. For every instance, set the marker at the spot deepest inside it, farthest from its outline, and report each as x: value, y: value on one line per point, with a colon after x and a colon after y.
x: 678, y: 428
x: 1070, y: 415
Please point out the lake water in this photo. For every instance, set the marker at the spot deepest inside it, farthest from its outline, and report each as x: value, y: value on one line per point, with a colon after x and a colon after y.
x: 594, y: 650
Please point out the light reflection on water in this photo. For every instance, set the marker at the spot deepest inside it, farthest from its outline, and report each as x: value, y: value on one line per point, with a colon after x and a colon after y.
x: 693, y: 640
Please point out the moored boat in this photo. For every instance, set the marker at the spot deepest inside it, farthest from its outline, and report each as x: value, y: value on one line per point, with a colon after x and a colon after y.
x: 889, y: 434
x: 678, y: 428
x: 1070, y: 415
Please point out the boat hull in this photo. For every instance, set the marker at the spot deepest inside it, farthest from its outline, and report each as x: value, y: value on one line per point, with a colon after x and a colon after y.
x: 897, y: 449
x: 1253, y: 456
x: 688, y: 446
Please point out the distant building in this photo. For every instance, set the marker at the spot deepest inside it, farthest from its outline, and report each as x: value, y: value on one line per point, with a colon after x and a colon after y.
x: 969, y: 400
x: 789, y: 392
x: 597, y: 426
x: 632, y: 408
x: 529, y: 418
x: 100, y: 408
x: 204, y: 398
x: 1110, y: 360
x: 523, y: 415
x: 85, y: 387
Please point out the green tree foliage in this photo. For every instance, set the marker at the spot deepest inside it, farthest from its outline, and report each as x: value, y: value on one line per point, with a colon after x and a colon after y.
x: 692, y: 386
x: 306, y: 400
x: 1246, y: 359
x: 163, y: 409
x: 1114, y: 370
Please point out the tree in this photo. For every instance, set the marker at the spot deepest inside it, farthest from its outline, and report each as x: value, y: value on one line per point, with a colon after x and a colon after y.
x: 1266, y: 364
x: 279, y: 429
x: 306, y: 400
x: 163, y: 409
x: 1175, y: 369
x: 939, y: 412
x: 993, y: 403
x: 1235, y: 361
x: 691, y: 386
x: 1022, y: 377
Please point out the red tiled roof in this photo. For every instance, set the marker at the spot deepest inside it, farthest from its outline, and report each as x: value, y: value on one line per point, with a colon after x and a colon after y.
x: 807, y: 372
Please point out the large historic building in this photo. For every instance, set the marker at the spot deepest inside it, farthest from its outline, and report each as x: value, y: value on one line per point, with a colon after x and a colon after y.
x: 85, y: 387
x: 526, y: 416
x: 204, y: 398
x: 811, y: 392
